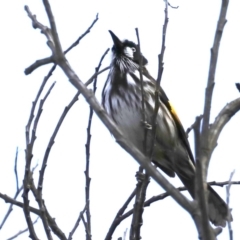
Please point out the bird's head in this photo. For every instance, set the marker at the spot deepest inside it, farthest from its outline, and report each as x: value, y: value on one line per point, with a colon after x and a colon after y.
x: 126, y: 55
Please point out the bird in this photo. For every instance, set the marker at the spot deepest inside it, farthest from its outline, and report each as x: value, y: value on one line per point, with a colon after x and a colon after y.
x: 122, y: 100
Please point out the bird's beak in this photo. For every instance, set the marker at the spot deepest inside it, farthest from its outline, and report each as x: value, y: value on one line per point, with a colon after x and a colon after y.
x: 117, y: 42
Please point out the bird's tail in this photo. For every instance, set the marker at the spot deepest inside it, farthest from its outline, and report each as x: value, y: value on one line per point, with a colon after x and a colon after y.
x: 218, y: 210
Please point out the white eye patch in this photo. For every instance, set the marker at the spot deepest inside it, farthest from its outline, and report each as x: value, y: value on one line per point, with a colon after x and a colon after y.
x: 128, y: 51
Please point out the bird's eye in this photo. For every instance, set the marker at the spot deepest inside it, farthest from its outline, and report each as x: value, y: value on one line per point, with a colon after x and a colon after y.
x: 133, y: 49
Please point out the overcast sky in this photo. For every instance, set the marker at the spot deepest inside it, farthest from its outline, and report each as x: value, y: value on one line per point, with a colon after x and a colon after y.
x: 189, y: 39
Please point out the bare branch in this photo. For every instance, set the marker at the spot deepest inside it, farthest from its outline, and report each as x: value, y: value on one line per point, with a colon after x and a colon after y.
x: 117, y: 220
x: 48, y: 60
x: 141, y: 189
x: 10, y: 207
x: 201, y: 197
x: 162, y: 196
x: 14, y: 202
x: 91, y: 79
x: 160, y: 72
x: 142, y: 179
x: 22, y: 231
x: 142, y: 91
x: 18, y: 191
x: 87, y: 146
x: 161, y: 55
x: 16, y: 171
x: 77, y: 223
x: 55, y: 44
x: 39, y: 63
x: 47, y: 220
x: 172, y: 6
x: 221, y: 120
x: 51, y: 220
x: 52, y: 140
x: 61, y: 119
x: 44, y: 30
x: 27, y: 181
x: 213, y: 64
x: 196, y: 127
x: 31, y: 116
x: 204, y: 153
x: 82, y: 36
x: 228, y: 202
x: 88, y: 235
x: 8, y: 199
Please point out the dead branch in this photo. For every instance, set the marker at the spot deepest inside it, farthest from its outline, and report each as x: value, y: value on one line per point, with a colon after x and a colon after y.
x: 48, y: 60
x: 22, y: 231
x: 87, y: 146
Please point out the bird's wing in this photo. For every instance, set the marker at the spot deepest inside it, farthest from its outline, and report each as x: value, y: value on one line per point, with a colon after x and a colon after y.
x: 166, y: 102
x: 181, y: 132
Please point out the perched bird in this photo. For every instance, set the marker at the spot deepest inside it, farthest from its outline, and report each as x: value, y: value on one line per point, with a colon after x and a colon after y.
x: 122, y: 99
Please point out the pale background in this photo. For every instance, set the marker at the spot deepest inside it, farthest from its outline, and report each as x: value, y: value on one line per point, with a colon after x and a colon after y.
x: 189, y: 38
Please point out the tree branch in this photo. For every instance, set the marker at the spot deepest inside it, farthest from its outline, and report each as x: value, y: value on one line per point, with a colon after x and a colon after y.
x: 117, y: 220
x: 204, y: 153
x: 228, y: 202
x: 22, y: 231
x: 213, y: 64
x: 221, y: 120
x: 77, y: 223
x: 48, y: 60
x: 87, y: 146
x: 27, y: 181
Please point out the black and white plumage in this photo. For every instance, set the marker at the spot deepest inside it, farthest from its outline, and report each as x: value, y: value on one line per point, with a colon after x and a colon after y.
x: 122, y: 99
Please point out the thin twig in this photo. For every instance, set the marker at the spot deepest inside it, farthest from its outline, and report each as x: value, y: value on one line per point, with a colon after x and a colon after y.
x: 34, y: 103
x: 61, y: 119
x: 196, y: 127
x: 220, y: 122
x: 87, y: 146
x: 82, y: 36
x: 57, y: 231
x: 10, y: 200
x: 172, y: 6
x: 228, y: 203
x: 144, y: 119
x: 160, y: 72
x: 213, y: 64
x: 47, y: 220
x: 19, y: 190
x: 48, y: 60
x: 142, y: 179
x: 77, y: 223
x: 204, y: 153
x: 116, y: 221
x: 15, y: 170
x: 10, y: 207
x: 88, y: 235
x: 125, y: 234
x: 52, y: 140
x: 22, y: 231
x: 166, y: 194
x: 28, y: 175
x: 142, y: 90
x: 141, y: 189
x: 161, y: 55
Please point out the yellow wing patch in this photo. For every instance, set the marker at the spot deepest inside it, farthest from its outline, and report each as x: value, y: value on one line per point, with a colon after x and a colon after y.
x: 174, y: 113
